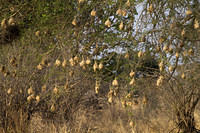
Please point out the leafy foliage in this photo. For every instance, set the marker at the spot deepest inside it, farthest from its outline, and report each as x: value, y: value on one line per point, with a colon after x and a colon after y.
x: 74, y: 47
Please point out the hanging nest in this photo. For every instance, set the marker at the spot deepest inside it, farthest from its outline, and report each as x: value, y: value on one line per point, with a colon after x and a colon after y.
x: 9, y: 31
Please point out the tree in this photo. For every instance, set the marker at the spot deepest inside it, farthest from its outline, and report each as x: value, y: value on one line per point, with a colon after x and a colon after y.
x: 124, y: 36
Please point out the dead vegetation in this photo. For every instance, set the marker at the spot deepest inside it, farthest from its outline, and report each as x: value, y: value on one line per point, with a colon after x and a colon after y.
x: 61, y: 70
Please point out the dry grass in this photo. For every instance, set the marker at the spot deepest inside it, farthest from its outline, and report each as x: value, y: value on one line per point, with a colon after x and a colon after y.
x: 112, y: 119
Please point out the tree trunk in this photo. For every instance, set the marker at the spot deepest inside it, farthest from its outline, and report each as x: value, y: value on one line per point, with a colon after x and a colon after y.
x: 185, y: 117
x: 185, y: 121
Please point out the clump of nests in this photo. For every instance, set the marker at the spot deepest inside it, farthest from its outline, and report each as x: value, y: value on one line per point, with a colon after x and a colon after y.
x: 9, y: 30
